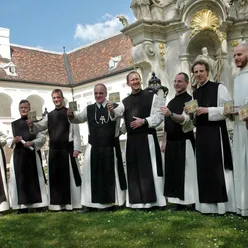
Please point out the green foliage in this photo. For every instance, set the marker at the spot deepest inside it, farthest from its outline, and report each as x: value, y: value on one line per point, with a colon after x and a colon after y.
x: 123, y: 228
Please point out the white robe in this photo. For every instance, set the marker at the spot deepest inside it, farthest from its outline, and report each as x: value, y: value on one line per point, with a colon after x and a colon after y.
x: 154, y: 120
x: 39, y: 141
x: 74, y: 135
x: 217, y: 114
x: 240, y: 145
x: 4, y: 205
x: 86, y: 199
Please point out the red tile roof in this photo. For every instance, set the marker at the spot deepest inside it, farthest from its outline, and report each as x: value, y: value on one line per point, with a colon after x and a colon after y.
x: 86, y: 63
x: 92, y: 61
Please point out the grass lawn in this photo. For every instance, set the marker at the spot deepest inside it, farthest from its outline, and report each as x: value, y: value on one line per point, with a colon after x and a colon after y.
x: 123, y: 228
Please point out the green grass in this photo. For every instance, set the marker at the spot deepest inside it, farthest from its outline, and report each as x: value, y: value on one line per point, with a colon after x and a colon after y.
x: 123, y: 228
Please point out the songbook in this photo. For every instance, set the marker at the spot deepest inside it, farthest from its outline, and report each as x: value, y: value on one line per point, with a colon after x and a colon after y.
x: 191, y: 106
x: 32, y: 116
x: 229, y: 107
x: 73, y: 106
x: 114, y: 97
x: 243, y: 112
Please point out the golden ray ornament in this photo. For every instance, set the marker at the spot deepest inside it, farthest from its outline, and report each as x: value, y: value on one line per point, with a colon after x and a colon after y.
x: 206, y: 19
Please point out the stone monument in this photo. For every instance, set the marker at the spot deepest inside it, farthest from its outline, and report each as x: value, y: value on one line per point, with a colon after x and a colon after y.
x: 169, y: 35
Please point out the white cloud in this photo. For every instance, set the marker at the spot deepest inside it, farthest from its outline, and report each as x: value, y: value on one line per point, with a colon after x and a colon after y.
x: 91, y: 32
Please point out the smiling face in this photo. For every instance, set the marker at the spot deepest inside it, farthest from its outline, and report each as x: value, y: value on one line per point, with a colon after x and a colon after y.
x: 200, y: 73
x: 134, y: 81
x: 241, y: 56
x: 180, y: 84
x: 24, y: 109
x: 58, y: 99
x: 100, y: 93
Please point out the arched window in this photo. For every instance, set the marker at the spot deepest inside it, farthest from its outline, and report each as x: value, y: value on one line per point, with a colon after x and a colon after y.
x: 5, y: 105
x: 36, y: 103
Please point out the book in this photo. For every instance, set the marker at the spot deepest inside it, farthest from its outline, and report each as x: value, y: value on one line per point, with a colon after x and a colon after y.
x: 191, y: 106
x: 229, y: 107
x: 243, y: 112
x: 114, y: 97
x: 32, y: 116
x: 73, y: 106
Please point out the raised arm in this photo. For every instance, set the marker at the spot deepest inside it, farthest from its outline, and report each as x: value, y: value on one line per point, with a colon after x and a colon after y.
x: 78, y: 118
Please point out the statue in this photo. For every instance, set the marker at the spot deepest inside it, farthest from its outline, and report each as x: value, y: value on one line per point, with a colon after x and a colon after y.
x: 123, y: 20
x: 214, y: 65
x: 242, y: 9
x: 141, y: 9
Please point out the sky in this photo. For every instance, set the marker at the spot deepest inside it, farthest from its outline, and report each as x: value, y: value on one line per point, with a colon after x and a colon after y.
x: 54, y: 24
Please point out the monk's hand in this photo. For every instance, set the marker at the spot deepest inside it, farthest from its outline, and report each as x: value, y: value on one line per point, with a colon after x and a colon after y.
x: 186, y: 110
x: 138, y: 122
x: 16, y: 140
x: 201, y: 111
x: 165, y: 111
x: 30, y: 123
x: 70, y: 114
x: 75, y: 154
x: 162, y: 148
x: 245, y: 119
x: 110, y: 107
x: 28, y: 144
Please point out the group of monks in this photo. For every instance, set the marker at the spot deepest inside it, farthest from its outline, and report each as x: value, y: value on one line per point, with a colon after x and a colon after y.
x: 197, y: 167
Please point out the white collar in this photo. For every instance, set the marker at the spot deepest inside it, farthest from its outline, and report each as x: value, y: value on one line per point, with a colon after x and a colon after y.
x: 103, y: 104
x: 200, y: 85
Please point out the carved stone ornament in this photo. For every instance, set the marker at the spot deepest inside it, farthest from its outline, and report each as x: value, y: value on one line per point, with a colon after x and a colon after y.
x: 149, y: 48
x: 160, y: 3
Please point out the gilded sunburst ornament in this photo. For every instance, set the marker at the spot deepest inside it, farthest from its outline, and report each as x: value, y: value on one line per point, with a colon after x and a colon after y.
x: 206, y: 19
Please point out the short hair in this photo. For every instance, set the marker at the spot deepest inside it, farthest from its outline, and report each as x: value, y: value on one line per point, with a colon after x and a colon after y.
x: 24, y: 101
x: 101, y: 84
x: 245, y: 45
x: 57, y: 91
x: 132, y: 72
x: 200, y: 62
x: 185, y: 75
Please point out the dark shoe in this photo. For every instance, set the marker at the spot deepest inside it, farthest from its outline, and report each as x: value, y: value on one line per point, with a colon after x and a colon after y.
x: 179, y: 207
x: 109, y: 209
x: 40, y: 210
x: 22, y: 211
x: 87, y: 210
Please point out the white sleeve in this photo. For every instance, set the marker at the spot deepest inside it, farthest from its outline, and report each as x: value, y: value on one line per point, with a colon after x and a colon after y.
x: 80, y: 118
x: 217, y: 113
x: 40, y: 140
x: 41, y: 125
x: 119, y: 110
x: 156, y: 116
x: 76, y: 137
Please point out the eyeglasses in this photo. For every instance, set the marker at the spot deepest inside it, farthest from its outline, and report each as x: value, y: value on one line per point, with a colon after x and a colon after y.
x: 178, y: 81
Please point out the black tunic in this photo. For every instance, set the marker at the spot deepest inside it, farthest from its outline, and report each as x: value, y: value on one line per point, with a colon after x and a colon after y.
x: 209, y: 137
x: 103, y: 142
x: 175, y: 149
x: 3, y: 177
x: 141, y: 186
x: 60, y: 156
x: 25, y: 167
